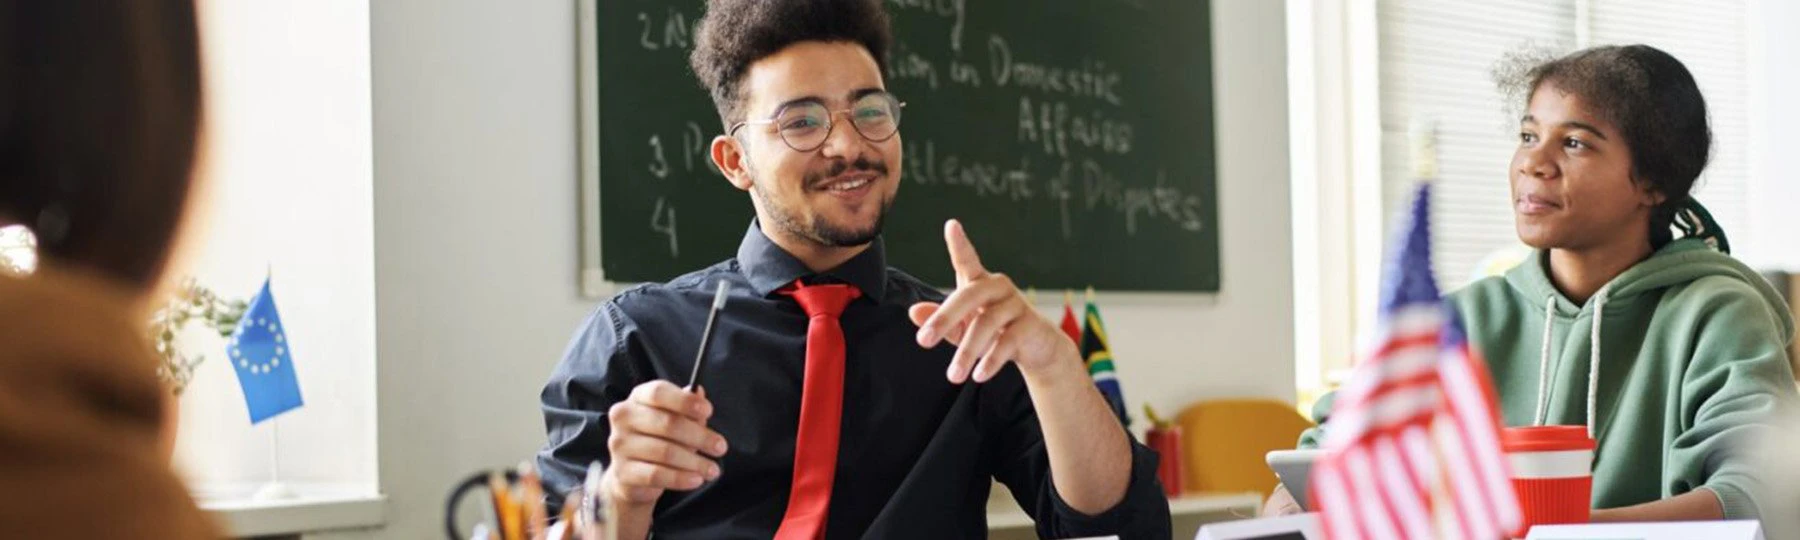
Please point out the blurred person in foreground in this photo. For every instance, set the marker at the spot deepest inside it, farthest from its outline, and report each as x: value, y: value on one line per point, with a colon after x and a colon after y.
x: 100, y: 111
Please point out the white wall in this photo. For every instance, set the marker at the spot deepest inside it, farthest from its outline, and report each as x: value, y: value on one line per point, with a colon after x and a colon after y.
x: 1774, y: 66
x: 288, y: 193
x: 475, y: 235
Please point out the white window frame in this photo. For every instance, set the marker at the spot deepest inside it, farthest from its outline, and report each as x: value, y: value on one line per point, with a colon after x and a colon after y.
x: 1334, y: 122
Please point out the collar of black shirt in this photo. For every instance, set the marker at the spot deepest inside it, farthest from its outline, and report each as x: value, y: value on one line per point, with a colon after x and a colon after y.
x: 769, y: 268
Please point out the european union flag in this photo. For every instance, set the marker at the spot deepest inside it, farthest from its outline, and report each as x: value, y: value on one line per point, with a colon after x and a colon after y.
x: 263, y: 361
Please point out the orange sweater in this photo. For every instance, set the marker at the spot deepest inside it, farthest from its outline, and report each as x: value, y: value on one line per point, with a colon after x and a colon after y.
x: 80, y: 413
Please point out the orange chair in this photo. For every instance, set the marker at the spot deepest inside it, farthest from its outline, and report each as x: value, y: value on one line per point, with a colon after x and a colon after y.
x: 1225, y: 441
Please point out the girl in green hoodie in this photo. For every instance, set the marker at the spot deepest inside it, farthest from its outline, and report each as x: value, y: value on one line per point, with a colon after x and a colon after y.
x: 1691, y: 344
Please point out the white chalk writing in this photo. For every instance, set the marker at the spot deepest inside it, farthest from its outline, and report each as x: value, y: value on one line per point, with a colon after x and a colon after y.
x: 1100, y: 189
x: 674, y: 30
x: 1091, y: 79
x: 662, y: 220
x: 955, y: 10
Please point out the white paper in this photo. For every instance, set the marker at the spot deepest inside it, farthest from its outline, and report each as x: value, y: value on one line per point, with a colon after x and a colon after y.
x: 1301, y: 526
x: 1683, y: 530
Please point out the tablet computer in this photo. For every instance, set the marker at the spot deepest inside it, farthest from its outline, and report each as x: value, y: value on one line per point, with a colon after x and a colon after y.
x: 1294, y: 468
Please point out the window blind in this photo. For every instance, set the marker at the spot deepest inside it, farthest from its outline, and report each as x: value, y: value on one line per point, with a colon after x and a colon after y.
x: 1436, y: 64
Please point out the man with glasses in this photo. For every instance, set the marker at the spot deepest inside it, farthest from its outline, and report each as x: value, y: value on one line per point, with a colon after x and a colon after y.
x: 843, y: 398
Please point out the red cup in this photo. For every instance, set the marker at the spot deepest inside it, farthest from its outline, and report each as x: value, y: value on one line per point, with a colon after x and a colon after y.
x: 1552, y: 470
x: 1167, y: 443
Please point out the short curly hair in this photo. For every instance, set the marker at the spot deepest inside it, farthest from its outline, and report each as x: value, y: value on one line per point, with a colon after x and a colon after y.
x: 736, y: 33
x: 1644, y: 92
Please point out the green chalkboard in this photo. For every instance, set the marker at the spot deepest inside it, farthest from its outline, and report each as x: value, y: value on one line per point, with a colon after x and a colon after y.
x: 1074, y: 138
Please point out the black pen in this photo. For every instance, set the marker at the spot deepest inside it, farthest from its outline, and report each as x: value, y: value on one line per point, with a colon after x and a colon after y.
x: 712, y: 317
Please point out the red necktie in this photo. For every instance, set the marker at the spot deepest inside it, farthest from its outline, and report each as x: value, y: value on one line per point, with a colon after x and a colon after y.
x: 821, y: 410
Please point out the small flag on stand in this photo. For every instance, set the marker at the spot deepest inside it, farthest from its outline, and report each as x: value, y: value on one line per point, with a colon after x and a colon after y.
x: 1069, y: 324
x: 1413, y: 445
x: 1098, y: 354
x: 261, y: 355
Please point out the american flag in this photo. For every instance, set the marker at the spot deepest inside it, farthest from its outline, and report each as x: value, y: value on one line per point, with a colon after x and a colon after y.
x: 1413, y: 449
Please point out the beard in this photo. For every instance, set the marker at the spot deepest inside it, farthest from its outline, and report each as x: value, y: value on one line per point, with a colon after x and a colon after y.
x: 818, y: 229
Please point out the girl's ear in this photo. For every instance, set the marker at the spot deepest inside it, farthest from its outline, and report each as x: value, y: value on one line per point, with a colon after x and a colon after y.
x: 1649, y: 196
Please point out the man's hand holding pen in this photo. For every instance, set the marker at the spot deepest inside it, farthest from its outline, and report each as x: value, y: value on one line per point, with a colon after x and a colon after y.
x: 660, y: 442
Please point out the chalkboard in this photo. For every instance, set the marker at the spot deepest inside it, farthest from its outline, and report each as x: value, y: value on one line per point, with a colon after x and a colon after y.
x: 1074, y: 138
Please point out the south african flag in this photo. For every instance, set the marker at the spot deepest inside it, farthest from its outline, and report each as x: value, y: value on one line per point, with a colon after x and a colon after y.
x: 1098, y: 354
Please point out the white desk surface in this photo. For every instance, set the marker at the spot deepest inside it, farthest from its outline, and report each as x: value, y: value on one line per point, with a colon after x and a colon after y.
x: 312, y: 510
x: 1003, y: 513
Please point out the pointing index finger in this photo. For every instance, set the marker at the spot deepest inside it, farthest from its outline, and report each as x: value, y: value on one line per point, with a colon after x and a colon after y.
x: 962, y: 253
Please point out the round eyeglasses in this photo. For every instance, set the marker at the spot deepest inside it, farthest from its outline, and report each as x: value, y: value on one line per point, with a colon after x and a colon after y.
x: 806, y: 125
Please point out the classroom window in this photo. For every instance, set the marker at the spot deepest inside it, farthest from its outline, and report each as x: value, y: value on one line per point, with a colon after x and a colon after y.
x: 18, y: 250
x: 1380, y: 81
x: 286, y: 194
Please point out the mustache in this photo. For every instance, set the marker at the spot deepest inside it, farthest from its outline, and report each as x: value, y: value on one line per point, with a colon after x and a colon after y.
x: 841, y: 167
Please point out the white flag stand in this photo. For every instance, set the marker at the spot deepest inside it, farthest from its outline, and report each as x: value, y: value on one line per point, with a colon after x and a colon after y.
x: 274, y: 490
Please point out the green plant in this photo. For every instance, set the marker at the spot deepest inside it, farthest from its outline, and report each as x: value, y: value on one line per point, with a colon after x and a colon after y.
x: 191, y: 303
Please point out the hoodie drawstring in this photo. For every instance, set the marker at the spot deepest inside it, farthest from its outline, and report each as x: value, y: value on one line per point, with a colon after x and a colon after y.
x: 1594, y: 356
x: 1543, y: 396
x: 1593, y: 377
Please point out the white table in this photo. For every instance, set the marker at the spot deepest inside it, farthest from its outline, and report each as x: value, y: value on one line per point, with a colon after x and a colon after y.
x: 1004, y: 515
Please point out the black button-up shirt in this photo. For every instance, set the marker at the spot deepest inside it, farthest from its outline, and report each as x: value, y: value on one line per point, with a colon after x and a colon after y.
x: 915, y: 452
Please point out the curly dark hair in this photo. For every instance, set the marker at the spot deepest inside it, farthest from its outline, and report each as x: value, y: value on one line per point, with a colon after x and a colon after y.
x: 736, y: 33
x: 1648, y: 95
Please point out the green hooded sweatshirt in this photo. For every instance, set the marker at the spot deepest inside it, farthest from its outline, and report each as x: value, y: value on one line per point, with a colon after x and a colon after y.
x: 1693, y: 369
x: 1693, y: 364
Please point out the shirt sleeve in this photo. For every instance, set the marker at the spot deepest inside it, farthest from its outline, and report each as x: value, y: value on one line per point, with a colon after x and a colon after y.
x: 1735, y: 389
x: 599, y: 368
x: 1314, y: 437
x: 1024, y: 466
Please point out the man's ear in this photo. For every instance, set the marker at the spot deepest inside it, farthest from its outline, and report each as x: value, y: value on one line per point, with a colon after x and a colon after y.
x: 729, y: 154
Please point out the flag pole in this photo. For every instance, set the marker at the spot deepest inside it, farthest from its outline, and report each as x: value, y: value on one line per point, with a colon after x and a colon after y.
x: 274, y: 423
x: 274, y: 490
